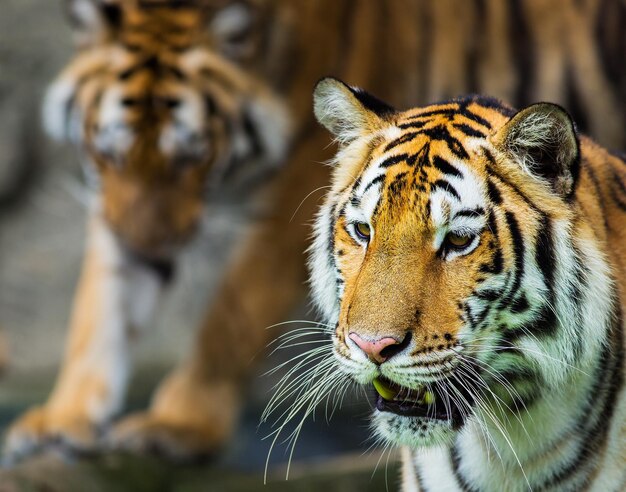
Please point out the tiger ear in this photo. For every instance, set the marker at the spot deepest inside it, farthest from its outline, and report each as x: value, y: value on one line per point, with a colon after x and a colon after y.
x: 542, y: 139
x: 348, y: 112
x: 94, y: 20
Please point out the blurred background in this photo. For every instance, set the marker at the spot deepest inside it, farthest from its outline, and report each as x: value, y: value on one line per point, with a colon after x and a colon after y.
x: 42, y: 232
x: 42, y: 219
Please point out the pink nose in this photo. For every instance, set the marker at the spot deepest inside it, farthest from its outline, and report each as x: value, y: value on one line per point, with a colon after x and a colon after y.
x: 374, y: 350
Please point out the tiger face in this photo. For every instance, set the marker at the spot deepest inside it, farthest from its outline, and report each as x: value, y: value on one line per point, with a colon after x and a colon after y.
x: 435, y: 256
x: 159, y: 109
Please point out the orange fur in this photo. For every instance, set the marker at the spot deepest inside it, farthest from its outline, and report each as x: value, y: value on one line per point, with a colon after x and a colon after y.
x: 414, y: 313
x: 152, y: 202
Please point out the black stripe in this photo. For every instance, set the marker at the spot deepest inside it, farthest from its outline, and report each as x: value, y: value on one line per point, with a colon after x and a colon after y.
x: 252, y: 134
x: 469, y: 315
x: 418, y: 476
x: 576, y: 288
x: 523, y: 397
x: 479, y: 317
x: 467, y: 212
x: 393, y: 160
x: 518, y: 250
x: 440, y: 132
x: 444, y: 185
x: 400, y: 176
x: 474, y: 117
x: 164, y: 269
x: 151, y: 63
x: 514, y: 188
x: 544, y: 324
x: 617, y: 179
x: 170, y: 4
x: 544, y: 254
x: 455, y: 461
x: 489, y: 156
x: 493, y: 192
x: 492, y: 224
x: 488, y: 294
x: 469, y: 131
x: 371, y: 102
x: 331, y: 238
x: 497, y: 263
x: 445, y: 167
x: 520, y: 304
x: 407, y: 137
x: 448, y: 112
x: 414, y: 125
x: 378, y: 179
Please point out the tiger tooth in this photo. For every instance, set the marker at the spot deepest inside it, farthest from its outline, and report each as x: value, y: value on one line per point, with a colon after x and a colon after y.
x: 384, y: 390
x: 429, y: 397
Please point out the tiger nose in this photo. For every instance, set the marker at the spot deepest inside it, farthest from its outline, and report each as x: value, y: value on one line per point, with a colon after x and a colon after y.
x: 382, y: 349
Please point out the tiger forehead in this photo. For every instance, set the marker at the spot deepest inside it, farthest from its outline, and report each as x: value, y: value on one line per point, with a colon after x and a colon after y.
x: 158, y: 26
x: 424, y: 156
x: 479, y: 112
x: 438, y: 135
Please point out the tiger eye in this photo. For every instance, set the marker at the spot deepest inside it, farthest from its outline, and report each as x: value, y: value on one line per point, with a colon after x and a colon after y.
x: 458, y: 240
x: 362, y: 230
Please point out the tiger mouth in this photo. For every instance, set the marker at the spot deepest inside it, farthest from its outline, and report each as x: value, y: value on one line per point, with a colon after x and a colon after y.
x: 433, y: 402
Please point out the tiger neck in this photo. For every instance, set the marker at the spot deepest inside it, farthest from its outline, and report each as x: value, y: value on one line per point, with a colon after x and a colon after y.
x: 553, y: 440
x: 552, y: 444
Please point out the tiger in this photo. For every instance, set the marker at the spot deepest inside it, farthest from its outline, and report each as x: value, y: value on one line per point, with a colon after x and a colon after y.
x: 471, y: 260
x: 170, y: 102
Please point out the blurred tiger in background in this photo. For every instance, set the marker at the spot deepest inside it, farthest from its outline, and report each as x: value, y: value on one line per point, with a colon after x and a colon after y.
x: 168, y: 99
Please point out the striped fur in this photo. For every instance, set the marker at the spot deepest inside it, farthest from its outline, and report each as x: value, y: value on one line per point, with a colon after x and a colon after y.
x: 522, y: 329
x: 166, y: 98
x: 150, y: 103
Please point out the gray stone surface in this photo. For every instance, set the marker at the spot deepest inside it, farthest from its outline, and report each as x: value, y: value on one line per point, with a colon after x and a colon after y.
x: 371, y: 472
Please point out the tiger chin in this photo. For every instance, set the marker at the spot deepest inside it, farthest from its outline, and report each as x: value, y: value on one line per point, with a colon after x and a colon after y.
x: 472, y: 260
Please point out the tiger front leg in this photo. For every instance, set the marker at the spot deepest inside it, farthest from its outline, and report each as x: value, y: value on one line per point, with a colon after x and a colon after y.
x: 196, y: 409
x: 116, y: 297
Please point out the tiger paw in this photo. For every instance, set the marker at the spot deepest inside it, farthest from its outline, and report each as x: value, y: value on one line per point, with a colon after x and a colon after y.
x: 39, y: 429
x: 188, y: 421
x: 143, y: 433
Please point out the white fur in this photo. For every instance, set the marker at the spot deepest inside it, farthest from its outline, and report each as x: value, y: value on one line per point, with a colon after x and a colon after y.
x: 520, y: 448
x: 56, y: 120
x: 338, y: 110
x: 273, y: 123
x: 114, y: 136
x: 185, y: 134
x: 231, y: 21
x: 129, y: 295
